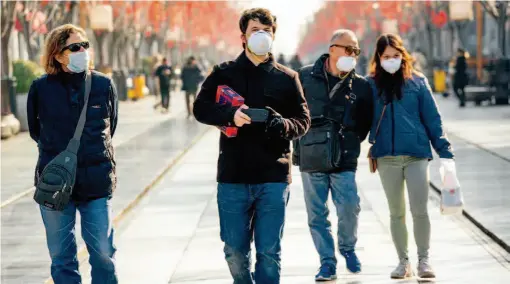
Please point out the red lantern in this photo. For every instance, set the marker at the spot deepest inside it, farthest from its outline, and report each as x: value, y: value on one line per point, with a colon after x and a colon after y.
x: 440, y: 19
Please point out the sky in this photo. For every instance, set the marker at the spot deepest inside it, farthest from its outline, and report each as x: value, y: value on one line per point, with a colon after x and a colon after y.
x: 291, y: 16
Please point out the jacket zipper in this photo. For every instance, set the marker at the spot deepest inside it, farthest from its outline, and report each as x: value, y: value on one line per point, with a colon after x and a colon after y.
x: 392, y: 130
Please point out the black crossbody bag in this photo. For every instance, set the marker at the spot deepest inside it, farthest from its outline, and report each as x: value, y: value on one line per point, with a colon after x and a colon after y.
x: 320, y: 149
x: 56, y: 182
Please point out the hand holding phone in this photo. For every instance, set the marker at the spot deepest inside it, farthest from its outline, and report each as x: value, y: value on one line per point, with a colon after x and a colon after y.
x: 240, y: 118
x: 256, y: 114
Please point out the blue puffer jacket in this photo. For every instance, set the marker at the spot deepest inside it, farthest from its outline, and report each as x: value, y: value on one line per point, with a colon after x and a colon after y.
x: 409, y: 125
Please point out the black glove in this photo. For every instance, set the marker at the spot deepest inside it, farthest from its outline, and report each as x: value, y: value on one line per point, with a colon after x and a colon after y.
x: 275, y: 125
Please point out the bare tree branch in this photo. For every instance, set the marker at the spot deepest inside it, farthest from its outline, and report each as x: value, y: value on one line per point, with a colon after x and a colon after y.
x: 489, y: 9
x: 50, y: 17
x: 8, y: 8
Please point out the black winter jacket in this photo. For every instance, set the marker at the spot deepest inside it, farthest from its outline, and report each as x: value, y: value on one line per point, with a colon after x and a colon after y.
x: 53, y: 108
x: 316, y: 89
x: 253, y: 156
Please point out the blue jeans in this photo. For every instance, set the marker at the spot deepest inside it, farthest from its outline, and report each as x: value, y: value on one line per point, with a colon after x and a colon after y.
x: 345, y: 197
x: 97, y: 232
x: 247, y: 211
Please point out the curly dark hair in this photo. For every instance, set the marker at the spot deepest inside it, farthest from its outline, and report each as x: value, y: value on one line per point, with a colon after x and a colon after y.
x: 264, y: 16
x: 391, y: 85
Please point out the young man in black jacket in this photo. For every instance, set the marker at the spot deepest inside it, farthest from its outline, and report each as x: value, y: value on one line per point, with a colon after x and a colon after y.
x: 334, y: 91
x: 254, y: 167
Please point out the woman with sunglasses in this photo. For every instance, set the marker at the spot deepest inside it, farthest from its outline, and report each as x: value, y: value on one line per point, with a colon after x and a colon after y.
x: 406, y: 121
x: 55, y: 101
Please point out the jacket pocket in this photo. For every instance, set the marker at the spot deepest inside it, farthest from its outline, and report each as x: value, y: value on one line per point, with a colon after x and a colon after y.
x: 350, y: 146
x: 319, y: 149
x: 97, y: 111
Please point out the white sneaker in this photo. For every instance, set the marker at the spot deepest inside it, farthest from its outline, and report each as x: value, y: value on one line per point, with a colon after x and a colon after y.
x: 424, y: 269
x: 403, y: 270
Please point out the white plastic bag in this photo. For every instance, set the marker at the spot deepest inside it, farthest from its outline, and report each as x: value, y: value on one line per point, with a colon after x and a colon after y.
x: 452, y: 202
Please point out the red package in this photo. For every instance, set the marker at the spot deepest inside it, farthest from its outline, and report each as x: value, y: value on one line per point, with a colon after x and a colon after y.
x: 226, y: 96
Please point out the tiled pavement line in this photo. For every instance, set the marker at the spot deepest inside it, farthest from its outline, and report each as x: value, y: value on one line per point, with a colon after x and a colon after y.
x: 82, y: 253
x: 24, y: 251
x: 191, y: 252
x: 142, y: 111
x: 455, y: 242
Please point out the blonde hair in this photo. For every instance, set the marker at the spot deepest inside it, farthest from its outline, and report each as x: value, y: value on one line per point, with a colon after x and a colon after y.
x: 55, y: 42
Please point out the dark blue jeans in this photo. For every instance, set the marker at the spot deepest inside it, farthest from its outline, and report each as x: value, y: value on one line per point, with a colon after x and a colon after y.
x: 97, y: 232
x: 250, y: 211
x: 344, y: 193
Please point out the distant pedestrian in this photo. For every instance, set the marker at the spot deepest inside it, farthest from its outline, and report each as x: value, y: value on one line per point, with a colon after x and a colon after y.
x: 295, y: 63
x: 55, y: 102
x: 281, y: 60
x: 164, y: 73
x: 191, y: 76
x: 406, y: 122
x: 460, y: 78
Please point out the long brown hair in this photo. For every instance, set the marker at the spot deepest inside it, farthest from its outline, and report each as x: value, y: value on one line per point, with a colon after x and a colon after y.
x: 54, y: 44
x: 386, y: 83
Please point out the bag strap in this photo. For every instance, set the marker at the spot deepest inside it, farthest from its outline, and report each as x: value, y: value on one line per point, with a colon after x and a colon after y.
x: 74, y: 144
x: 379, y: 123
x: 349, y: 98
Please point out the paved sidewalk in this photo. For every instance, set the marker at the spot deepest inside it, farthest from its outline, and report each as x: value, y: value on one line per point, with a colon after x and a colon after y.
x: 141, y: 160
x: 486, y: 126
x: 481, y: 141
x: 174, y: 236
x: 19, y: 153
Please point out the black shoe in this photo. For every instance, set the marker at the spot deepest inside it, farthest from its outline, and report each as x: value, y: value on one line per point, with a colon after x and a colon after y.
x: 326, y: 272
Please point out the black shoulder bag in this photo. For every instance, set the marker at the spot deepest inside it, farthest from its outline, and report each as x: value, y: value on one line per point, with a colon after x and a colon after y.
x: 320, y: 150
x: 56, y: 182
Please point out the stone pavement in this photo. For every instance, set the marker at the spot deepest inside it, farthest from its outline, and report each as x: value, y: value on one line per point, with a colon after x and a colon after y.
x: 141, y: 160
x: 481, y: 141
x: 173, y: 237
x: 19, y: 153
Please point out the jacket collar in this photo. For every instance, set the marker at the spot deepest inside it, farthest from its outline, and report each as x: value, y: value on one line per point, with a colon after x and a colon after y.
x: 319, y: 66
x: 243, y: 61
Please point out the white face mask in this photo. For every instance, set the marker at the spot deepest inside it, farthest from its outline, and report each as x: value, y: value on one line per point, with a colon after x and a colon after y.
x: 391, y: 65
x: 346, y: 63
x: 260, y: 42
x: 78, y: 61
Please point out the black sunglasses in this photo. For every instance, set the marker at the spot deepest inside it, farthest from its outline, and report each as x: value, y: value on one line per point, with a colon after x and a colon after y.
x: 349, y: 49
x: 75, y: 47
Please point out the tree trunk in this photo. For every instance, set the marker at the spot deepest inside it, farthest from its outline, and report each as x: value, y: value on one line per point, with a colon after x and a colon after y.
x: 6, y: 73
x: 69, y: 18
x: 7, y: 23
x: 502, y: 33
x: 100, y: 36
x: 26, y: 35
x: 121, y: 50
x: 114, y: 48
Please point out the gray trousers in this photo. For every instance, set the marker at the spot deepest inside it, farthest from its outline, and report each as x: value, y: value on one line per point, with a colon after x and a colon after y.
x: 394, y: 171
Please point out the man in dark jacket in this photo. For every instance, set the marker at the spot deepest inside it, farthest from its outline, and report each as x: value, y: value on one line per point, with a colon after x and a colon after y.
x: 295, y: 63
x: 191, y: 75
x: 460, y: 79
x: 334, y: 91
x: 164, y: 73
x: 254, y: 167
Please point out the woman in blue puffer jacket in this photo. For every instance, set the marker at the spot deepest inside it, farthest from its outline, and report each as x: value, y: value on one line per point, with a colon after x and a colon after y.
x: 409, y: 123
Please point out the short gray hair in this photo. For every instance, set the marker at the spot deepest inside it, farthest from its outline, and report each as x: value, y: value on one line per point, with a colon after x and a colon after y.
x: 340, y: 33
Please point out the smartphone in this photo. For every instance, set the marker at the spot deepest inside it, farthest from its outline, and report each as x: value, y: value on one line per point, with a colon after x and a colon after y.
x: 256, y: 114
